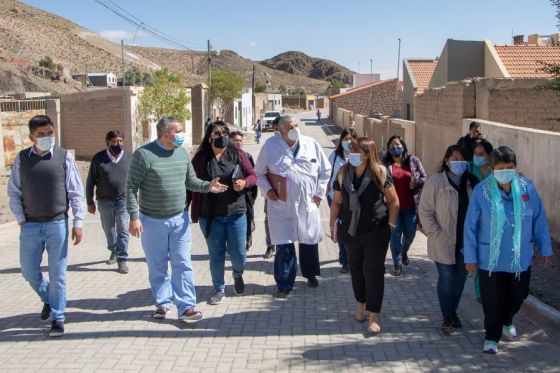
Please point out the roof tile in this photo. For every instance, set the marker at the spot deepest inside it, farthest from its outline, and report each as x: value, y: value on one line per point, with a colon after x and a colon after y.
x: 524, y: 61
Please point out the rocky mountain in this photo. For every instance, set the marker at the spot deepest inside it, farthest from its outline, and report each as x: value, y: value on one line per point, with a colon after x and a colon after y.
x: 28, y: 34
x: 299, y: 63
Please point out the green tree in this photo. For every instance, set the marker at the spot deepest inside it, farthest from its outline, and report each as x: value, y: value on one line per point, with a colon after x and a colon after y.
x: 337, y: 83
x: 299, y: 92
x: 47, y: 62
x: 133, y: 77
x: 282, y: 88
x: 225, y: 87
x: 165, y: 96
x: 260, y: 88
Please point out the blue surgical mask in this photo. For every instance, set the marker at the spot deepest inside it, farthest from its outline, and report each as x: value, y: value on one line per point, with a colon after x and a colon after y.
x: 505, y: 176
x: 458, y: 167
x: 346, y: 146
x: 355, y: 159
x: 396, y: 151
x: 179, y: 139
x: 479, y: 161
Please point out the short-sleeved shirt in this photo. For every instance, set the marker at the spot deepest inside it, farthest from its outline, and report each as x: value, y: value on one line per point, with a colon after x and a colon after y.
x: 373, y: 208
x: 402, y: 176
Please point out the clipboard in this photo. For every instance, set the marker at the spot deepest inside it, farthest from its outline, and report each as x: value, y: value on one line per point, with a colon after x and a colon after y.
x: 278, y: 184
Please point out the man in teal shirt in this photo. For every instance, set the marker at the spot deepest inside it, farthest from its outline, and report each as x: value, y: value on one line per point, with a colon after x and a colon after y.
x: 162, y: 172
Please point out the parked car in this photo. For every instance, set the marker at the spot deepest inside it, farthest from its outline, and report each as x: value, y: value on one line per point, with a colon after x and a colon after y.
x: 269, y: 117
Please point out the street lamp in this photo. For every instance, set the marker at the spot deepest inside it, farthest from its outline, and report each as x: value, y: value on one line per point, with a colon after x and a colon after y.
x: 217, y: 53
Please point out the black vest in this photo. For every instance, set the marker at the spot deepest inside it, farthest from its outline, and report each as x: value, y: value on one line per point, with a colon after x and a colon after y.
x: 43, y: 185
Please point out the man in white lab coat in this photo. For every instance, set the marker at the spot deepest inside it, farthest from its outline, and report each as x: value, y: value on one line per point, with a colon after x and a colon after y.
x: 306, y: 169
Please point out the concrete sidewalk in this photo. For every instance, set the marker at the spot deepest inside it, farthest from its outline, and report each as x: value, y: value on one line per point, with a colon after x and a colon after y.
x: 109, y: 328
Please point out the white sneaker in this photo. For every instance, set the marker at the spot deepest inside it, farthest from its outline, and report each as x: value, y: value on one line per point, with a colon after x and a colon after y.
x: 217, y: 298
x: 509, y: 331
x: 490, y: 347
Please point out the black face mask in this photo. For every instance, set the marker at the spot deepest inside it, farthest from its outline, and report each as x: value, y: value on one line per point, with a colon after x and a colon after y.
x: 117, y: 149
x: 220, y: 142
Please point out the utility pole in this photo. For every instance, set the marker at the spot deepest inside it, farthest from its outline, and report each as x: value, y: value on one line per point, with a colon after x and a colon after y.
x: 209, y: 78
x: 123, y: 84
x: 253, y: 98
x: 398, y: 70
x: 371, y: 82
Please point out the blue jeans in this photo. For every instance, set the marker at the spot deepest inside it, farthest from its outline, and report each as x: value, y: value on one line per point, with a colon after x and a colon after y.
x: 114, y: 220
x: 404, y: 234
x: 285, y: 264
x: 169, y: 240
x: 227, y: 233
x: 451, y: 282
x: 34, y: 239
x: 342, y: 254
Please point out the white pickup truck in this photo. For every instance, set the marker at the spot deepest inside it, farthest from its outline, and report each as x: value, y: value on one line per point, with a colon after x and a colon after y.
x: 269, y: 117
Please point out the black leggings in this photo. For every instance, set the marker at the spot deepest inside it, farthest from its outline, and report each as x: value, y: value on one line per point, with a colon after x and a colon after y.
x: 366, y: 256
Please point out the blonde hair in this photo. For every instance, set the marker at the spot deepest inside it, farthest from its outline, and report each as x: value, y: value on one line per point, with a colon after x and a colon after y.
x: 378, y: 170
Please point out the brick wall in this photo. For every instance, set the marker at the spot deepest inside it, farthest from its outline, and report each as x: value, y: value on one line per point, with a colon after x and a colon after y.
x: 518, y: 102
x: 86, y: 117
x: 381, y: 98
x: 438, y: 119
x: 15, y: 133
x: 295, y: 101
x: 198, y: 103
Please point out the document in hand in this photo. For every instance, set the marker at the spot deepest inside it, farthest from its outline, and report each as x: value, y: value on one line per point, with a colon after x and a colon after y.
x: 278, y: 184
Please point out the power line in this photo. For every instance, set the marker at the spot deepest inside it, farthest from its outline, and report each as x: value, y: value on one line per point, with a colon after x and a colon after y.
x: 135, y: 21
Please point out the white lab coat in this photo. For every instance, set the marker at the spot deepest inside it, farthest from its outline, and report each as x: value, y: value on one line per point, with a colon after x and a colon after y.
x: 298, y: 218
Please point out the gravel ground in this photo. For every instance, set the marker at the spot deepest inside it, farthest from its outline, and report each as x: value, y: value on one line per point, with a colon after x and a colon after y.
x: 544, y: 281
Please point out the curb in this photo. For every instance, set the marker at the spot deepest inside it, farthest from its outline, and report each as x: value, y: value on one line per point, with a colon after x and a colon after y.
x: 541, y: 313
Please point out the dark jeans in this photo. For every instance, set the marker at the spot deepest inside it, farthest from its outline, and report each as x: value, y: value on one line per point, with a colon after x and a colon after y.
x: 451, y: 282
x: 114, y: 221
x: 285, y: 264
x: 367, y: 266
x: 502, y: 296
x: 404, y: 234
x: 342, y: 253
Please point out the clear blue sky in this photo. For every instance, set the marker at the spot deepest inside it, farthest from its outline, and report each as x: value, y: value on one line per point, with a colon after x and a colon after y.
x: 350, y: 32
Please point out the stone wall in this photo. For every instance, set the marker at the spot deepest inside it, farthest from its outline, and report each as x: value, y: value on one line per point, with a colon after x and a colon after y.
x: 379, y: 98
x: 518, y: 102
x: 198, y: 114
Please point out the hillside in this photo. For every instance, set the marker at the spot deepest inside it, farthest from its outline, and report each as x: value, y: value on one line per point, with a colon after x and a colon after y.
x: 28, y: 34
x: 299, y: 63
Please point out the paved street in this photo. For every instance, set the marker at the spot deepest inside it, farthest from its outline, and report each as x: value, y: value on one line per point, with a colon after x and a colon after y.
x: 109, y: 328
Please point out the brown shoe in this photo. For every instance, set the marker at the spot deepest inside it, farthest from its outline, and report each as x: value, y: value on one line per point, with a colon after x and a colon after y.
x: 374, y: 324
x: 360, y: 312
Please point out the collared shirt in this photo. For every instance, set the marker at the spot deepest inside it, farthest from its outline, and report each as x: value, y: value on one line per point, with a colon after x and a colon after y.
x: 74, y: 189
x: 112, y: 157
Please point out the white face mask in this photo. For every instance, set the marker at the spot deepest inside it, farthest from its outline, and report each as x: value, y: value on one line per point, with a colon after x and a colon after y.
x: 293, y: 134
x: 45, y: 144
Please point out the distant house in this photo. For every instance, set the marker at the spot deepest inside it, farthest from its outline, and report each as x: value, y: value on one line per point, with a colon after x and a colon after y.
x: 417, y: 74
x: 383, y: 97
x: 97, y: 79
x: 243, y: 110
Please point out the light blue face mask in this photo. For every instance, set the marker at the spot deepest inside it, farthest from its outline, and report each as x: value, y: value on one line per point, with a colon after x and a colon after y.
x: 479, y: 161
x: 346, y: 146
x: 458, y: 167
x: 505, y: 176
x: 179, y: 139
x: 355, y: 159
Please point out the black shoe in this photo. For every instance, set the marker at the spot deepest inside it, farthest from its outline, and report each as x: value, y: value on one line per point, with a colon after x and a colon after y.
x: 455, y: 322
x: 312, y: 282
x: 112, y: 259
x: 405, y: 260
x: 269, y: 252
x: 447, y: 324
x: 238, y: 285
x: 46, y: 312
x: 397, y: 270
x: 57, y: 329
x: 123, y: 268
x: 345, y: 269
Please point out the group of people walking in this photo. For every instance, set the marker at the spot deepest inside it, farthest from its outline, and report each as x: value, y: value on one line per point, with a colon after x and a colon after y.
x: 479, y: 214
